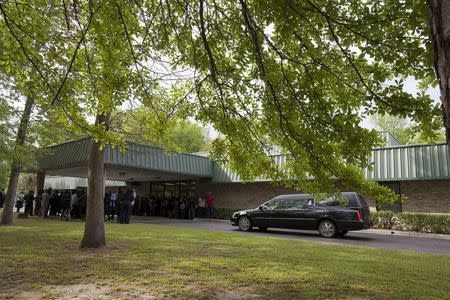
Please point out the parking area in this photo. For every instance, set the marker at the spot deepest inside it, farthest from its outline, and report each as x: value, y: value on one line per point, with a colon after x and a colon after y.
x: 366, y: 238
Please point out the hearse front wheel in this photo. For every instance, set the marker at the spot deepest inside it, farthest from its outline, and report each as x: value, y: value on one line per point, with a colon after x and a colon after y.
x: 245, y: 224
x: 327, y: 229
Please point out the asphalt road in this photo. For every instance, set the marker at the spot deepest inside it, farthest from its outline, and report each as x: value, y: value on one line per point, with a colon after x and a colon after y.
x: 357, y: 238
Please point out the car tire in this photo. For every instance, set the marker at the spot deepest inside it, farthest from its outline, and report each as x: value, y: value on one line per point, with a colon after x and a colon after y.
x: 327, y: 229
x: 342, y: 232
x: 245, y: 223
x: 262, y: 228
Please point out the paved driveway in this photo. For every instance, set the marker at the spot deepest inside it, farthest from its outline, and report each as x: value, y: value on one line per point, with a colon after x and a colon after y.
x: 359, y: 238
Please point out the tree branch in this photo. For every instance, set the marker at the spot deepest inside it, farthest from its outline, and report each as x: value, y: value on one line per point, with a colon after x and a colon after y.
x: 24, y: 50
x: 74, y: 56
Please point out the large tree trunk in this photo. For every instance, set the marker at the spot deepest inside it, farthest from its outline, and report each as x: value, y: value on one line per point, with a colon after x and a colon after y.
x: 94, y: 228
x: 439, y: 22
x: 8, y: 208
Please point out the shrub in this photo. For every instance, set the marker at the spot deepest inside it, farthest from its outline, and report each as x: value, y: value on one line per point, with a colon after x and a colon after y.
x: 440, y: 224
x: 411, y: 221
x: 425, y: 223
x: 383, y: 219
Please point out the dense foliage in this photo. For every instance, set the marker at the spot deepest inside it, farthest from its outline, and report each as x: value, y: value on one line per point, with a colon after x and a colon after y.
x: 411, y: 221
x: 297, y: 74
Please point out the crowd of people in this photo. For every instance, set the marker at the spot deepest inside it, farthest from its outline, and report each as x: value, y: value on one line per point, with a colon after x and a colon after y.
x: 71, y: 204
x: 182, y: 207
x: 64, y: 203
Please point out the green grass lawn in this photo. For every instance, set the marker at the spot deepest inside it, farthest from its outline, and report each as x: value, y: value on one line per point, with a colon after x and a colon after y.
x: 41, y: 258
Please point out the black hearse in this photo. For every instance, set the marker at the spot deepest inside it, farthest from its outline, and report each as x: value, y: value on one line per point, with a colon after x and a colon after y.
x: 330, y: 216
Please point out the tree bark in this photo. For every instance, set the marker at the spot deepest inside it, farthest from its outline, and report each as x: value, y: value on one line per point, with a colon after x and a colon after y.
x: 8, y: 208
x: 94, y: 227
x: 439, y: 22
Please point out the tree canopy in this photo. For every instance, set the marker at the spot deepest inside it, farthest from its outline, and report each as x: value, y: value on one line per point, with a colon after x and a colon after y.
x: 297, y: 74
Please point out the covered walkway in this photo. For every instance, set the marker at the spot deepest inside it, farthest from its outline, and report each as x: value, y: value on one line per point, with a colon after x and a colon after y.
x: 140, y: 163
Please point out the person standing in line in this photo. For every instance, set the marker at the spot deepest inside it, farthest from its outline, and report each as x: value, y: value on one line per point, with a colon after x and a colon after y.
x: 2, y: 198
x: 37, y: 201
x: 19, y: 201
x: 65, y: 205
x: 191, y: 208
x: 54, y: 199
x: 182, y: 208
x: 83, y: 204
x: 45, y: 202
x: 134, y: 195
x: 125, y: 207
x: 201, y: 207
x: 106, y: 201
x: 112, y: 205
x: 74, y: 203
x: 119, y: 205
x: 164, y: 204
x: 211, y: 200
x: 29, y: 198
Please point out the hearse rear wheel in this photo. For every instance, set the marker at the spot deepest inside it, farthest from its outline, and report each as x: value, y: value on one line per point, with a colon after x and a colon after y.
x: 327, y: 229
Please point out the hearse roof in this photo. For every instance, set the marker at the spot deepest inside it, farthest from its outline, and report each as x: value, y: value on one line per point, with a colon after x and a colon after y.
x: 294, y: 197
x: 305, y: 196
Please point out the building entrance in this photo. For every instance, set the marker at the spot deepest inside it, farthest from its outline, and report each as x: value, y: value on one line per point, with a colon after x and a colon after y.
x: 173, y: 199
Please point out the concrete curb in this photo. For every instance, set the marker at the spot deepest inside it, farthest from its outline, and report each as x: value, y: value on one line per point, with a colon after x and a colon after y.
x: 409, y: 233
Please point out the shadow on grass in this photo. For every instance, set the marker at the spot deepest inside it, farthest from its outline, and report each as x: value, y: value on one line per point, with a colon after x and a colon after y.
x: 145, y: 261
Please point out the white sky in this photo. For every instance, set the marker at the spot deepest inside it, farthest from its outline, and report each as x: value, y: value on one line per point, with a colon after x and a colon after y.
x: 410, y: 85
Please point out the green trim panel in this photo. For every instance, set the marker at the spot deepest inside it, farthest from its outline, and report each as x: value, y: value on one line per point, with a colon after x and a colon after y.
x: 409, y: 162
x: 70, y: 154
x: 416, y: 162
x: 152, y: 158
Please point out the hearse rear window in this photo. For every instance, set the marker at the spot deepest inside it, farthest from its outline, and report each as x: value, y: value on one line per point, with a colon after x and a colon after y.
x: 334, y: 202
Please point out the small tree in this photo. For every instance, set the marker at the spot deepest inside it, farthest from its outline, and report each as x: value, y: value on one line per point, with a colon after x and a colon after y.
x: 182, y: 135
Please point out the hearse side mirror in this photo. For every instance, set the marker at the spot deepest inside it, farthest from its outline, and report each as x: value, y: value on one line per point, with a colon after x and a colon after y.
x: 263, y: 208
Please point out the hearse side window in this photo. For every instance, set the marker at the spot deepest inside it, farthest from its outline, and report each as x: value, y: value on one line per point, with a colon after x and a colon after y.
x: 275, y: 204
x: 297, y: 204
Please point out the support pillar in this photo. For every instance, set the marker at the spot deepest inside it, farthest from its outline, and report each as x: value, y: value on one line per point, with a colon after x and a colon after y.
x: 40, y: 179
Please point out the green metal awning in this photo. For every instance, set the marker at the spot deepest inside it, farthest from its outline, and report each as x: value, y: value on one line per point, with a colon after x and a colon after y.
x: 148, y: 163
x: 410, y: 162
x: 138, y: 162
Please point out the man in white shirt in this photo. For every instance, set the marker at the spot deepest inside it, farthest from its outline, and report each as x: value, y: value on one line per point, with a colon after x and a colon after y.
x: 112, y: 205
x: 45, y: 202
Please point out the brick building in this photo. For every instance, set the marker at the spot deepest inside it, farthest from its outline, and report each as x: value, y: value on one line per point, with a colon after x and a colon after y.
x: 420, y: 173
